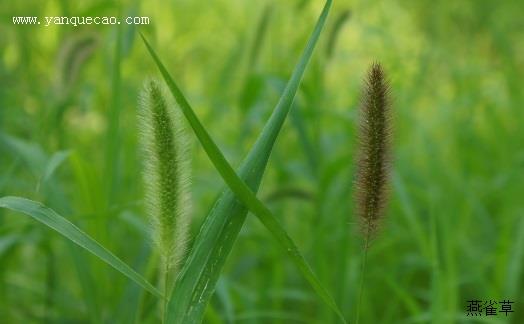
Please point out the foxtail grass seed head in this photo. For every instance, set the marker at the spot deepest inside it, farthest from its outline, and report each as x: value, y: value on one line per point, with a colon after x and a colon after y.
x: 373, y: 160
x: 166, y: 174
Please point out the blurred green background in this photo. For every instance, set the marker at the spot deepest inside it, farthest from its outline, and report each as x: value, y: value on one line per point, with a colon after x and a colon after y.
x: 454, y: 230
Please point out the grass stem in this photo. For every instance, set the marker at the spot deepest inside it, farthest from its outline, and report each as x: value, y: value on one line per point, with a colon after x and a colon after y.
x: 166, y: 292
x: 362, y: 278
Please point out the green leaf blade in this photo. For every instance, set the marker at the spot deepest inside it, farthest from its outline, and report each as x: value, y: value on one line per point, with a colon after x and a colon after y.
x: 49, y: 217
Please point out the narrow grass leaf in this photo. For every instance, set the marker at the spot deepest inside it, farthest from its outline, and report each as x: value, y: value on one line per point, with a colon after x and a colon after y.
x: 113, y: 129
x: 87, y: 282
x: 237, y: 185
x: 52, y: 165
x: 50, y: 218
x: 515, y: 264
x: 7, y: 241
x: 129, y: 305
x: 305, y: 141
x: 54, y: 162
x: 30, y: 153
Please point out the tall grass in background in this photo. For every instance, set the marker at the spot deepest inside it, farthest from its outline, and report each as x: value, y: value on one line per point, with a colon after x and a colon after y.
x: 68, y: 98
x: 164, y: 176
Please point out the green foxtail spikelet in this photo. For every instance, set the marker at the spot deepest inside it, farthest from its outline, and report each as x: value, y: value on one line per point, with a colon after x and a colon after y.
x: 166, y: 175
x: 373, y: 161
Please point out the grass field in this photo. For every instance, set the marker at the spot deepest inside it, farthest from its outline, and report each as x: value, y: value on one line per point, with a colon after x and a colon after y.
x: 70, y: 139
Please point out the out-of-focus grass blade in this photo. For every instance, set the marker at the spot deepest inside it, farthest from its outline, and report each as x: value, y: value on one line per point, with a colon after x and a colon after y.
x: 516, y: 263
x: 335, y: 31
x: 87, y: 282
x: 50, y: 218
x: 305, y: 141
x: 52, y: 165
x: 7, y: 241
x: 54, y: 162
x: 113, y: 130
x: 30, y: 153
x: 181, y: 309
x: 129, y: 306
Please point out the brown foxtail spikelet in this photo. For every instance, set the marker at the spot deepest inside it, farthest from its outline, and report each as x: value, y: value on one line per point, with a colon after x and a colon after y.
x: 166, y: 175
x: 373, y: 159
